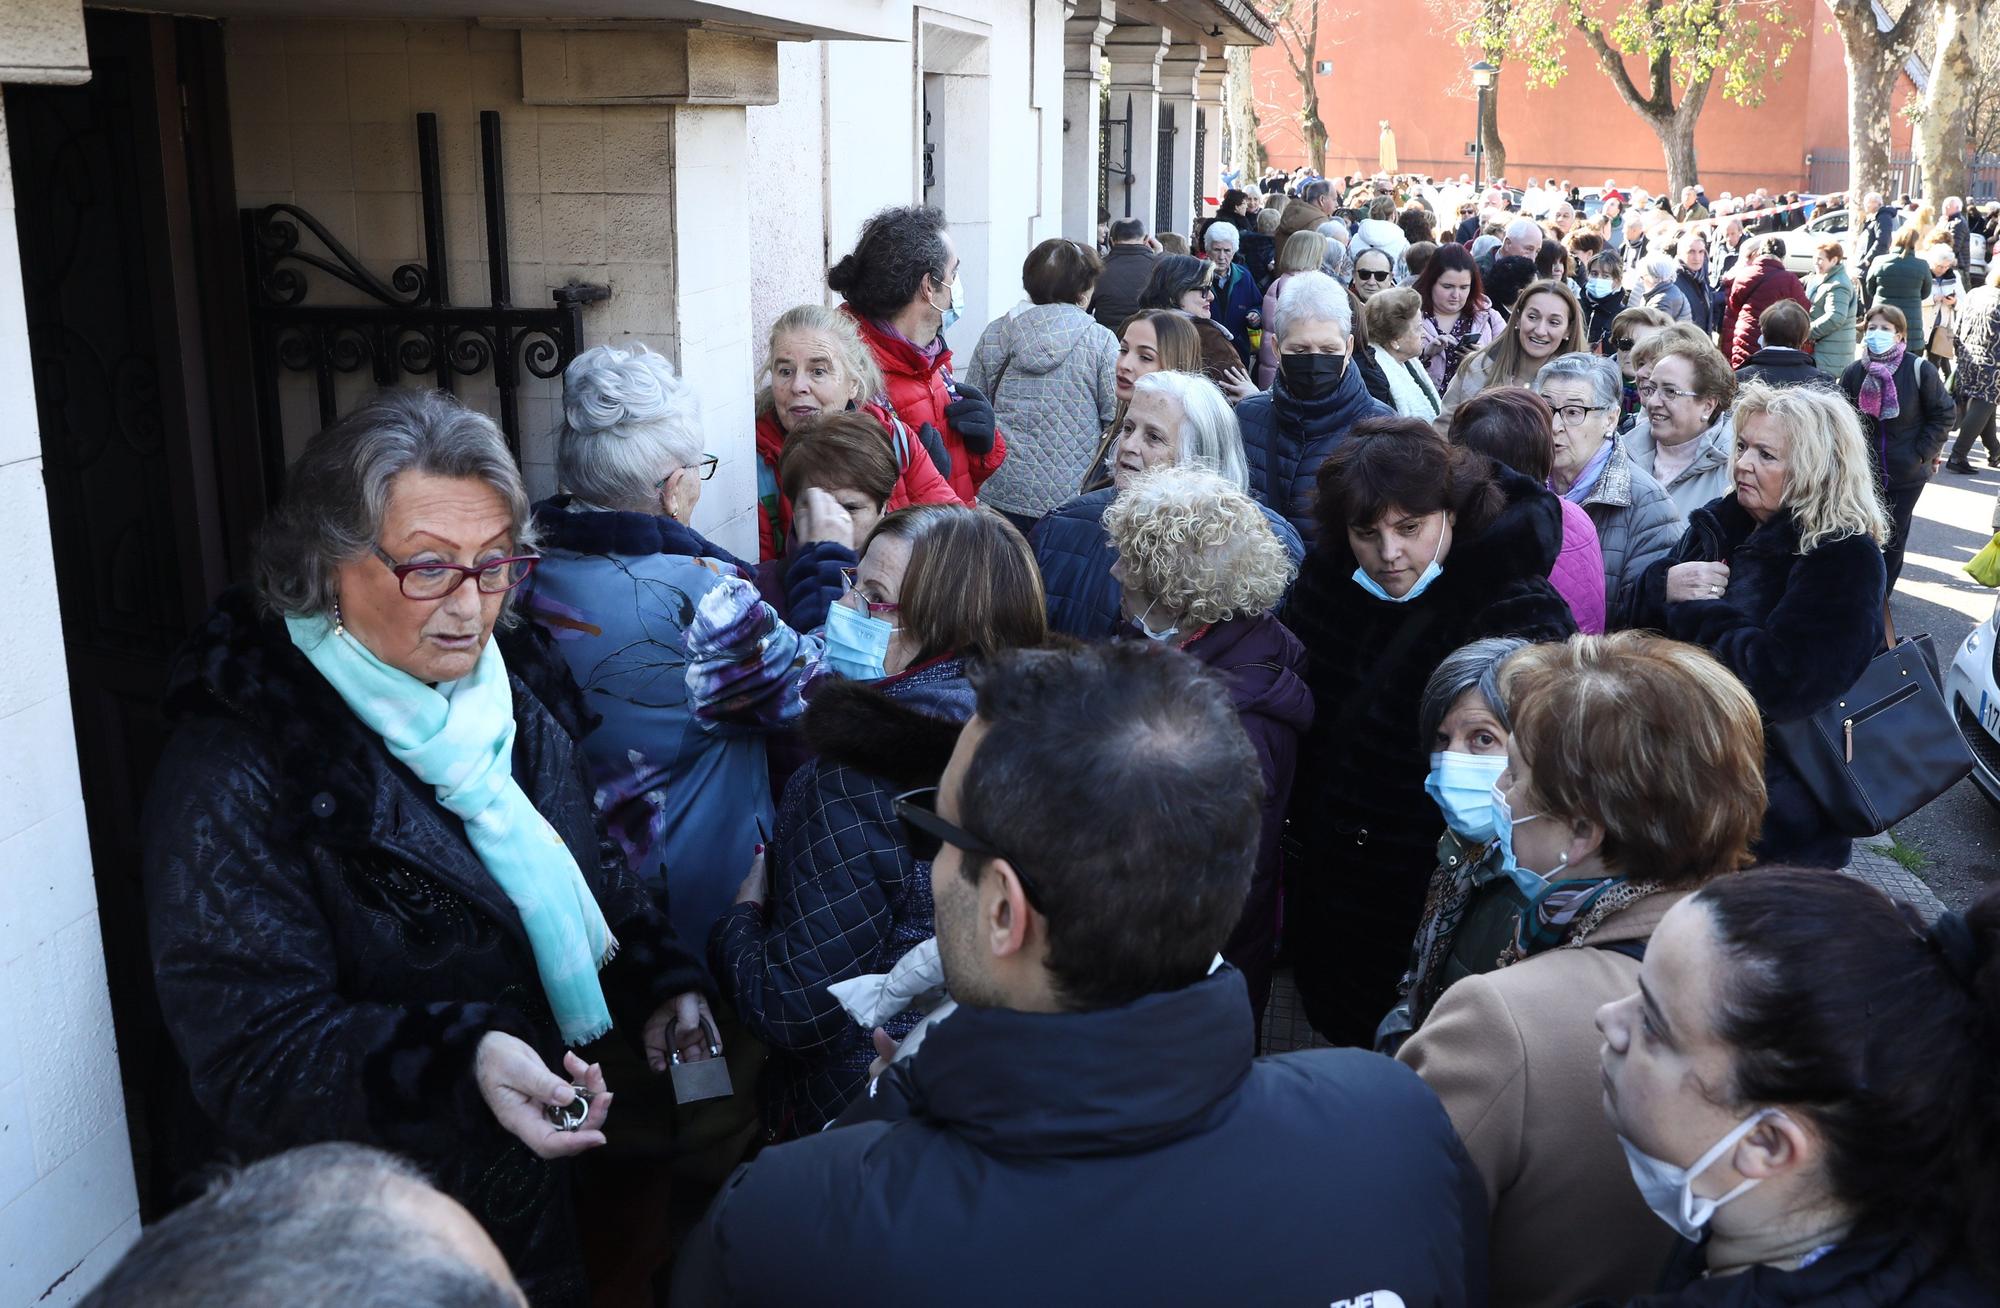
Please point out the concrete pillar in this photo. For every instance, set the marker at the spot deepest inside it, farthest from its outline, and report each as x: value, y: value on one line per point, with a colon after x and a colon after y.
x: 1084, y: 32
x: 1135, y: 53
x: 1208, y: 161
x: 1180, y: 69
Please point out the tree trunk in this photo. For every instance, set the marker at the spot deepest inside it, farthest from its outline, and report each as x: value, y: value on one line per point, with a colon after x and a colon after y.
x: 1490, y: 143
x: 1953, y: 77
x: 1246, y: 152
x: 1310, y: 125
x: 1676, y: 133
x: 1874, y: 62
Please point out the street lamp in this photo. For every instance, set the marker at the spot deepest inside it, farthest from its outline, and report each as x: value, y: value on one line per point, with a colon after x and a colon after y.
x: 1482, y: 78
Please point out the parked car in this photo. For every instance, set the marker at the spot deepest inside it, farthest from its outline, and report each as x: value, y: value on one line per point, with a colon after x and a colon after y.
x: 1831, y: 225
x: 1972, y: 690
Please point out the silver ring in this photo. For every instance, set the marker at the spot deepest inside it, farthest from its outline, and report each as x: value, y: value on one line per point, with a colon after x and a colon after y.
x: 570, y: 1116
x: 1715, y: 590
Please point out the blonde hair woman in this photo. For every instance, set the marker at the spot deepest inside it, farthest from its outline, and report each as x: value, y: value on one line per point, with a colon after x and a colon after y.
x: 1547, y: 321
x: 1303, y: 252
x: 1782, y: 579
x: 816, y: 361
x: 1201, y: 569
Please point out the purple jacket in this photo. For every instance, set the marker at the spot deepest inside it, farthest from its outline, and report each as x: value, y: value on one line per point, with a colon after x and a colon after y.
x: 1578, y: 575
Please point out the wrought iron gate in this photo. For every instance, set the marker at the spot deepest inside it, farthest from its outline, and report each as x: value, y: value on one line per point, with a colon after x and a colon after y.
x: 1105, y: 168
x: 1163, y: 190
x: 412, y: 328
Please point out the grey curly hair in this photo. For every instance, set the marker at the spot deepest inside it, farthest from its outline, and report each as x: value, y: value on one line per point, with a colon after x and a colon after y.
x: 337, y: 494
x: 1197, y: 544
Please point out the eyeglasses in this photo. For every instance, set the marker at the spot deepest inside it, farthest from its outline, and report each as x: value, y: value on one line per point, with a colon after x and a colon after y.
x: 1623, y: 343
x: 434, y: 581
x: 1572, y: 414
x: 704, y: 468
x: 927, y: 833
x: 1205, y: 290
x: 1361, y: 276
x: 1647, y: 390
x: 851, y: 577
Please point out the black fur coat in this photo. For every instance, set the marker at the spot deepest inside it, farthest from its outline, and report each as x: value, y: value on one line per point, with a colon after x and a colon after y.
x: 329, y: 949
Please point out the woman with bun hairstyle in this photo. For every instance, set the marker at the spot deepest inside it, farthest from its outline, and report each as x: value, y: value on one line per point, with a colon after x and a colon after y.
x: 902, y: 286
x: 1804, y: 1081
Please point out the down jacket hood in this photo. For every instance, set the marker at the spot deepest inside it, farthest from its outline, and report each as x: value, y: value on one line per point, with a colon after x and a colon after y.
x: 1038, y: 337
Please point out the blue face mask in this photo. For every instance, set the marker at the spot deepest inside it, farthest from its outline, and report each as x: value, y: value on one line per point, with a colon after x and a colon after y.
x: 1462, y: 786
x: 1532, y: 884
x: 956, y: 304
x: 1431, y: 574
x: 1879, y: 341
x: 857, y: 645
x: 1598, y: 287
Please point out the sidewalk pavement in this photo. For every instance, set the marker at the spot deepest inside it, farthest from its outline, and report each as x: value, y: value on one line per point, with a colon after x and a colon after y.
x: 1286, y: 1028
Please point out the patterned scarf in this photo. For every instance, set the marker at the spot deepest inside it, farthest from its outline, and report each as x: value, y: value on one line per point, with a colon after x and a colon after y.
x: 1456, y: 347
x: 458, y: 737
x: 1878, y: 389
x: 1444, y: 908
x: 1583, y: 907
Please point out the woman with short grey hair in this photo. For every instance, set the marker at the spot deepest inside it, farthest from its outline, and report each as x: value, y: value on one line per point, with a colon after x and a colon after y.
x: 370, y: 846
x: 1319, y: 393
x: 1658, y: 289
x: 1637, y: 523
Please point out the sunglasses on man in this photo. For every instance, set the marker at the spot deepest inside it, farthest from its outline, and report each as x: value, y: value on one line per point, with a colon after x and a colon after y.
x: 927, y: 834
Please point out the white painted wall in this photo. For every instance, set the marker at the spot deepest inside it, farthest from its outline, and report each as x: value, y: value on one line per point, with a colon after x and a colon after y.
x: 68, y: 1207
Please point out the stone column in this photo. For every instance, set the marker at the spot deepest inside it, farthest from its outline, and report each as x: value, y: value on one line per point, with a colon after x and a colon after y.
x: 1084, y: 32
x: 1135, y: 53
x: 1180, y: 69
x: 1208, y: 160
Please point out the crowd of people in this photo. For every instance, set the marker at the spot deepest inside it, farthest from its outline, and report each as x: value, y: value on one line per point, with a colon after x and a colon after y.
x: 1399, y: 590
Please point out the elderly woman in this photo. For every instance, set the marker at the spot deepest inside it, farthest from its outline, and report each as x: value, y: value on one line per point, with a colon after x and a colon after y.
x: 1463, y: 720
x: 1423, y: 546
x: 1631, y: 779
x: 1052, y: 373
x: 1684, y: 437
x: 1637, y: 524
x: 1659, y: 289
x: 1175, y: 418
x: 1458, y: 318
x: 1237, y: 298
x: 378, y: 896
x: 1976, y: 369
x: 1830, y: 300
x: 1788, y: 1079
x: 1188, y: 285
x: 1782, y: 578
x: 1289, y: 430
x: 1394, y: 320
x: 1303, y: 253
x: 817, y: 363
x: 902, y: 287
x: 1200, y: 568
x: 1628, y: 330
x: 1547, y: 321
x: 844, y: 896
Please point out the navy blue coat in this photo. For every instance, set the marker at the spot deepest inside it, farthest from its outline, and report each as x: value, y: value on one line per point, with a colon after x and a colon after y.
x: 1132, y: 1155
x: 1075, y: 556
x: 1285, y: 439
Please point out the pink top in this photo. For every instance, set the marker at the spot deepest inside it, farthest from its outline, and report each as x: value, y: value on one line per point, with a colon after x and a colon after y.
x: 1578, y: 575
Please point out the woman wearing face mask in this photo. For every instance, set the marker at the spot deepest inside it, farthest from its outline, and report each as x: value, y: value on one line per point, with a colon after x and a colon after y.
x: 1547, y: 321
x: 1458, y: 318
x: 1783, y: 579
x: 1803, y: 1082
x: 902, y: 287
x: 1423, y: 546
x: 1631, y: 779
x: 818, y: 364
x: 1463, y: 718
x: 1303, y: 253
x: 1684, y: 437
x: 1289, y: 430
x: 1199, y: 568
x: 1174, y: 419
x: 1604, y: 298
x: 843, y: 895
x: 1188, y: 285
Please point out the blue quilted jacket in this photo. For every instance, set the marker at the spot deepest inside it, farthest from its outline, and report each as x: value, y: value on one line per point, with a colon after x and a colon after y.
x: 1075, y: 557
x: 1285, y: 439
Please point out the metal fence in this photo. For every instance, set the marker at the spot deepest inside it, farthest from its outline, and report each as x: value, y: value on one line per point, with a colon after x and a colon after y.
x: 1826, y: 170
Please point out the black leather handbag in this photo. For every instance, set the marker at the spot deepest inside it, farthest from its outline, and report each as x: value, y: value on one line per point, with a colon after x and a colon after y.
x: 1884, y: 749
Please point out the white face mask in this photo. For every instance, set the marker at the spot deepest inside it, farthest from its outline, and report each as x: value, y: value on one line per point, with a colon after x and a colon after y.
x: 1669, y: 1190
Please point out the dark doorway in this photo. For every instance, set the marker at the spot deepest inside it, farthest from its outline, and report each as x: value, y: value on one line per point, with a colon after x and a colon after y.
x: 135, y: 325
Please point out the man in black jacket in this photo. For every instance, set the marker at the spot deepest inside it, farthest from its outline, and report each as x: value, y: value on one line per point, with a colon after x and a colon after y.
x: 1127, y: 267
x: 1091, y: 1125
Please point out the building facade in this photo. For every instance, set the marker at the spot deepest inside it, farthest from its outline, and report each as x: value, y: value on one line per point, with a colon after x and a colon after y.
x: 222, y: 221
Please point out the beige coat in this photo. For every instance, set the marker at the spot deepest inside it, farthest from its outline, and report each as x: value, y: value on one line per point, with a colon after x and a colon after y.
x: 1514, y: 1056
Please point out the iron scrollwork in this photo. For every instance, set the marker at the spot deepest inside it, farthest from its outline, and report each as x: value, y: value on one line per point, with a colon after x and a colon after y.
x: 407, y: 325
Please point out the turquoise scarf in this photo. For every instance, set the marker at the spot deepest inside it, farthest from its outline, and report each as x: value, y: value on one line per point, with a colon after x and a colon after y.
x: 459, y: 738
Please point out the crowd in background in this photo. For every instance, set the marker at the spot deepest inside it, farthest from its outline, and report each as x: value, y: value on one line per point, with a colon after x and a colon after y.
x: 1387, y: 584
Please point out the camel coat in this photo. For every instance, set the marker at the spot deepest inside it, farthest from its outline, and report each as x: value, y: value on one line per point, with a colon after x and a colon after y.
x: 1514, y: 1056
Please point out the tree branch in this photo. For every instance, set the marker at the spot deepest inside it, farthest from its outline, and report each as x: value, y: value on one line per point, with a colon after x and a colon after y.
x: 1614, y: 67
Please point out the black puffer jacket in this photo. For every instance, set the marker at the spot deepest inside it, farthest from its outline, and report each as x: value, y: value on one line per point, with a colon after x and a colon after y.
x: 1876, y: 1271
x: 1797, y: 629
x: 329, y: 949
x: 1906, y: 446
x: 846, y: 895
x: 1138, y: 1155
x: 1364, y: 830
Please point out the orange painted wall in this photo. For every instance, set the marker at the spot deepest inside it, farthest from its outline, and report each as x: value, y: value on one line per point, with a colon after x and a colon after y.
x: 1577, y: 129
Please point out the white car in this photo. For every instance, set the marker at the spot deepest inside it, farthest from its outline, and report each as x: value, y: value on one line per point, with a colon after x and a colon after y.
x: 1972, y: 690
x: 1831, y: 225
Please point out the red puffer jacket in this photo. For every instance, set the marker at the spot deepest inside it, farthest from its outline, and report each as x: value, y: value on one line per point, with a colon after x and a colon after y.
x: 1754, y: 288
x: 919, y: 392
x: 918, y: 483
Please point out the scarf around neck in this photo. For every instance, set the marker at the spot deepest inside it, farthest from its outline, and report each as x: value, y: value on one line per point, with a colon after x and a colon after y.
x: 458, y: 737
x: 1878, y: 398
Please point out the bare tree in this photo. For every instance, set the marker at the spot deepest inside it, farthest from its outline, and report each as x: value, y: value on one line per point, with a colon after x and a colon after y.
x: 1297, y: 24
x: 1245, y: 150
x: 1876, y: 51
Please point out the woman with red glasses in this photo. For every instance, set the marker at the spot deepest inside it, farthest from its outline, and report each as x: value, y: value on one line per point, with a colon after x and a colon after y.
x: 378, y: 903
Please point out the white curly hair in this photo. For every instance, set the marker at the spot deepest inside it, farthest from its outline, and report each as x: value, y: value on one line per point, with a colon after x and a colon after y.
x: 1194, y: 543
